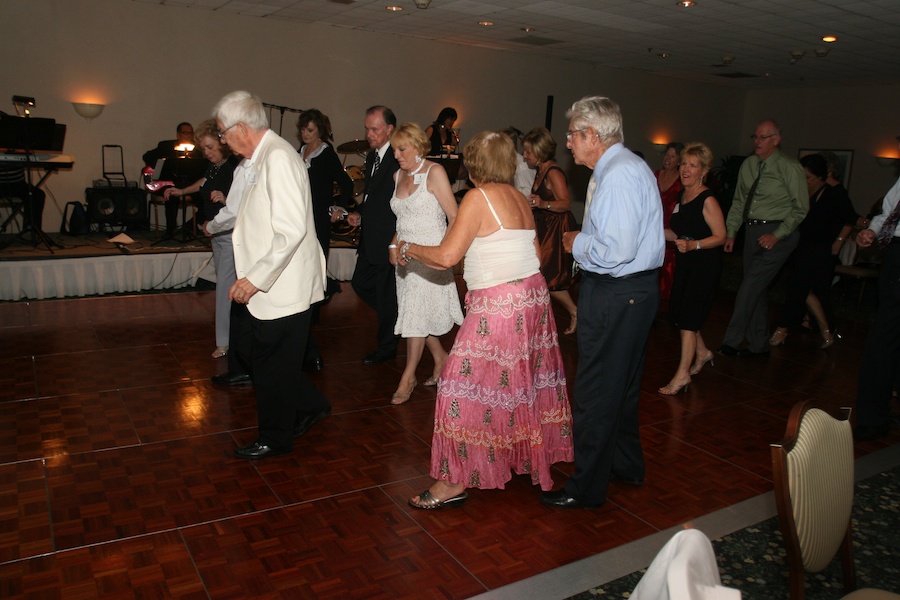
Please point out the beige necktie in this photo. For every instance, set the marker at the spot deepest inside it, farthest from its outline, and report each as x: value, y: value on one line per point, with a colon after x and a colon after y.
x: 592, y: 186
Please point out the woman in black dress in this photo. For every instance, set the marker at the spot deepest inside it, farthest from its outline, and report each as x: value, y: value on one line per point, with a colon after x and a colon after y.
x: 441, y: 131
x: 329, y: 184
x: 698, y: 229
x: 822, y: 233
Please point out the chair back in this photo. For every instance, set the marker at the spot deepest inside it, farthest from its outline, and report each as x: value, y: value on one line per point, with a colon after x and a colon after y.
x: 813, y: 473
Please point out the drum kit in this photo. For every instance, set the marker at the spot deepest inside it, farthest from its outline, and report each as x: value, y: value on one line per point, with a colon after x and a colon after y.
x: 356, y: 172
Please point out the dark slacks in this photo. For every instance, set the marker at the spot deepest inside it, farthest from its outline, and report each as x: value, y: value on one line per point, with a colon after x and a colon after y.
x: 750, y: 319
x: 614, y: 320
x: 272, y: 353
x: 881, y: 354
x: 377, y: 286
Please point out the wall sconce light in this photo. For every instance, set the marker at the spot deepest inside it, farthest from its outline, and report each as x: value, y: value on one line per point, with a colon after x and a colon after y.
x: 88, y: 111
x: 660, y: 148
x: 886, y: 161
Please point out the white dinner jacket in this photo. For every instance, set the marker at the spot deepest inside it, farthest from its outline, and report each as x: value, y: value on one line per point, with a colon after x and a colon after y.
x: 275, y: 244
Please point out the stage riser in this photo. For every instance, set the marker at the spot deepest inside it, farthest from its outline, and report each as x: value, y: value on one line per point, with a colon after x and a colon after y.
x: 77, y: 277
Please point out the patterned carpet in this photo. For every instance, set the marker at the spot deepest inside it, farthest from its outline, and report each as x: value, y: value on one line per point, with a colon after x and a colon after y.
x: 753, y: 559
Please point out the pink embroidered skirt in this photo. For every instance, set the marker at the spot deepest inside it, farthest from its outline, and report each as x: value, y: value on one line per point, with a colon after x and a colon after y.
x: 502, y: 403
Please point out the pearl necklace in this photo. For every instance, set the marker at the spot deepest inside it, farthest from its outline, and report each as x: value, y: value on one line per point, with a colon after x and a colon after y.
x: 419, y: 168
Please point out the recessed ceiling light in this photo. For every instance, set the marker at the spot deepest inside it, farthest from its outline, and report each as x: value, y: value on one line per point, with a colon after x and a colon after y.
x: 528, y: 29
x: 663, y: 55
x: 394, y: 8
x: 686, y: 3
x: 829, y: 39
x: 486, y: 23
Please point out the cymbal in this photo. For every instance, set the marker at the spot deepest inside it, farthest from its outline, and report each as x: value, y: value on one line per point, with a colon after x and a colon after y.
x: 354, y: 147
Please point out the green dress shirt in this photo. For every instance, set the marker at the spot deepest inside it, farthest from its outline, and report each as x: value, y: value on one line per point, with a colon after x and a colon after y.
x: 780, y: 196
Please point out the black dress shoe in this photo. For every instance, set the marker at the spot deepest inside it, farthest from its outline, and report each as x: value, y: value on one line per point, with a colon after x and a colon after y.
x: 304, y: 423
x: 726, y: 350
x: 561, y: 499
x: 256, y: 451
x: 866, y: 433
x: 748, y: 353
x: 231, y: 379
x: 379, y: 357
x: 313, y: 364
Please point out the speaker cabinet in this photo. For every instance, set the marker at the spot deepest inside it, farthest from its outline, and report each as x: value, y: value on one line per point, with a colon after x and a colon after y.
x: 116, y: 206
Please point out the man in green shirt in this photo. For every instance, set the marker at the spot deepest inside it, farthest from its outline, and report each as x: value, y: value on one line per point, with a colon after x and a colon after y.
x: 771, y: 200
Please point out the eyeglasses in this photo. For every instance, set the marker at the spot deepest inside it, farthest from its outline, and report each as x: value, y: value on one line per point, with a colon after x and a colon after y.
x: 224, y: 131
x: 762, y: 137
x: 569, y: 134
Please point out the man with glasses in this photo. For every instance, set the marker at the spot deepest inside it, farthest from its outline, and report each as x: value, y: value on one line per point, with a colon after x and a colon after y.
x: 620, y: 248
x: 771, y: 200
x: 168, y: 149
x: 281, y: 274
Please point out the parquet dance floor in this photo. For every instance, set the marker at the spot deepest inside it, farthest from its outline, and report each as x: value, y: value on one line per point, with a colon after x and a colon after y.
x: 117, y: 478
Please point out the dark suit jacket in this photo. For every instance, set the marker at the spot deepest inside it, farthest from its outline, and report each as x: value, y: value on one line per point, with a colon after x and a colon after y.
x: 378, y: 221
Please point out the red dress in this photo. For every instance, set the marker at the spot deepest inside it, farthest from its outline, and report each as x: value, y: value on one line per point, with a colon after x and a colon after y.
x: 669, y: 200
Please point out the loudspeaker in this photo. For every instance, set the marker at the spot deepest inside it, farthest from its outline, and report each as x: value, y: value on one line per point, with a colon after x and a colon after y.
x: 116, y: 206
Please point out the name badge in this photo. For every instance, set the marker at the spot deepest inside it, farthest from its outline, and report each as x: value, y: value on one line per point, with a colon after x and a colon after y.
x: 418, y: 178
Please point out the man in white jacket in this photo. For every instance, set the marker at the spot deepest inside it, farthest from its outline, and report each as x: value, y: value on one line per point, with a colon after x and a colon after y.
x: 281, y: 273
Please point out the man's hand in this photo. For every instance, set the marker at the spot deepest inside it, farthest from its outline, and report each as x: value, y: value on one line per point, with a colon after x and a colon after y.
x: 767, y: 241
x: 729, y: 244
x: 242, y: 291
x: 569, y: 240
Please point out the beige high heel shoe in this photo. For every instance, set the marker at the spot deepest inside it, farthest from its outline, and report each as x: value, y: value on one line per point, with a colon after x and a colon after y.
x: 698, y: 366
x: 400, y: 398
x: 778, y: 337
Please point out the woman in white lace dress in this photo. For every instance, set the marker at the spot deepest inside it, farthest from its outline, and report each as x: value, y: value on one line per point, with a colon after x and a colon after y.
x: 427, y: 299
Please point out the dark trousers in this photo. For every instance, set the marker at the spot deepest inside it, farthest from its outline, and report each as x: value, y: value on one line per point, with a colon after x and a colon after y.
x: 614, y: 320
x: 272, y: 353
x: 882, y: 350
x: 377, y: 286
x: 750, y: 319
x: 813, y: 271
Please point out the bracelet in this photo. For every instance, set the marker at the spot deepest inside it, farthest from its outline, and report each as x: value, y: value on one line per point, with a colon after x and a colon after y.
x: 404, y: 250
x: 839, y: 239
x: 392, y: 246
x: 698, y: 244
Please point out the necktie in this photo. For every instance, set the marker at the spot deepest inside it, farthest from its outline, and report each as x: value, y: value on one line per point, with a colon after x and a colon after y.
x: 886, y: 233
x: 377, y: 162
x: 752, y: 191
x: 592, y: 186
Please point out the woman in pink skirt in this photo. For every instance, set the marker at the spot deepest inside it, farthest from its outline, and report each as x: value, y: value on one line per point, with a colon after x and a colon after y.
x: 502, y: 403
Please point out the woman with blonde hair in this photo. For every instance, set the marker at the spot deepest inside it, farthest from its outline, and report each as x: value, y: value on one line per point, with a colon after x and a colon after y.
x: 427, y: 299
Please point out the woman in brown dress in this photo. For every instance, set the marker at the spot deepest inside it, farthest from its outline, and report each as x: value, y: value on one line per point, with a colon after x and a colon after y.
x: 551, y: 205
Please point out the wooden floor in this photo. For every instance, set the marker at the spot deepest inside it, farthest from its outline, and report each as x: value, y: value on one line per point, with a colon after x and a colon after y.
x: 117, y: 478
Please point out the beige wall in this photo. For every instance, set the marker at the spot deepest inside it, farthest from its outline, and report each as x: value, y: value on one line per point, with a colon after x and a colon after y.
x: 154, y: 66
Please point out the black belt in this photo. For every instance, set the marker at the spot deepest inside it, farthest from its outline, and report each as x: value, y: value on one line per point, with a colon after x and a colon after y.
x: 762, y: 222
x: 608, y: 277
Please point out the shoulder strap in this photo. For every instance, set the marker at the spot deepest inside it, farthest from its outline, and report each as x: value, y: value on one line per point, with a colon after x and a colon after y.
x: 491, y: 206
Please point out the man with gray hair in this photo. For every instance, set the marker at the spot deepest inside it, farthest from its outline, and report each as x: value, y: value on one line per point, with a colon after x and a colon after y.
x: 770, y: 202
x: 620, y: 247
x: 281, y: 273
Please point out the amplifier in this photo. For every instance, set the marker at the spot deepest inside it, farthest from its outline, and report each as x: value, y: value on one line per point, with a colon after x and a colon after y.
x: 116, y: 206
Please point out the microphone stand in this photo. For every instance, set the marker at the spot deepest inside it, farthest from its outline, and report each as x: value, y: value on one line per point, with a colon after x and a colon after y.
x: 282, y: 110
x: 37, y: 231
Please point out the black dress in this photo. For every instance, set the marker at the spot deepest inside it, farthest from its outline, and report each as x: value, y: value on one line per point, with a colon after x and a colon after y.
x: 829, y: 210
x: 696, y: 271
x: 325, y: 172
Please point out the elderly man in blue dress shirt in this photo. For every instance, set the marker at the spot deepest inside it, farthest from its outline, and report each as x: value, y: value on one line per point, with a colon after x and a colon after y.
x: 619, y: 248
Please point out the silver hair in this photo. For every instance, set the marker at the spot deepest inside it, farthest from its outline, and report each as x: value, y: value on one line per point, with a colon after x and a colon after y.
x: 241, y: 107
x: 600, y: 114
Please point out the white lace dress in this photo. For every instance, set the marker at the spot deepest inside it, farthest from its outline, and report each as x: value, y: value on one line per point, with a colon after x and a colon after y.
x: 427, y: 299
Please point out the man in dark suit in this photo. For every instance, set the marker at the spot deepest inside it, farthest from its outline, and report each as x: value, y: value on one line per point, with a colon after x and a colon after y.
x: 373, y: 279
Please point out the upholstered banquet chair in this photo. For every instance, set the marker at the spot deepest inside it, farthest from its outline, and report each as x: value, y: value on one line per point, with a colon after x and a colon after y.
x: 813, y: 472
x: 685, y: 569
